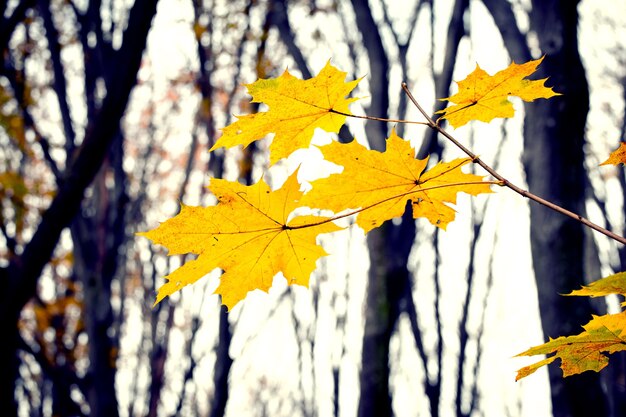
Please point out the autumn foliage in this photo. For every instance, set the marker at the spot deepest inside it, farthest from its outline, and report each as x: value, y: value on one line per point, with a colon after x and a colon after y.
x: 297, y: 108
x: 484, y: 97
x: 249, y: 234
x: 254, y: 233
x: 618, y: 156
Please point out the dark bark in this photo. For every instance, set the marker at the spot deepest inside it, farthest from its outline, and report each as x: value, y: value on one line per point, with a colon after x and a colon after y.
x: 430, y: 146
x: 23, y: 272
x: 97, y: 242
x: 95, y: 55
x: 60, y: 84
x: 8, y: 24
x: 9, y: 360
x: 554, y: 133
x: 189, y: 373
x: 618, y: 365
x: 61, y: 376
x: 388, y: 276
x: 389, y: 245
x: 159, y: 352
x: 378, y: 74
x: 223, y: 363
x: 375, y: 399
x: 380, y: 318
x: 280, y: 19
x: 403, y: 43
x: 514, y: 39
x: 553, y: 160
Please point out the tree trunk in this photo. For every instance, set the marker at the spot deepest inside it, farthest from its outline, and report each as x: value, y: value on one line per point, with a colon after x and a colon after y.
x: 379, y: 321
x: 553, y: 160
x: 223, y: 363
x: 97, y: 241
x: 554, y: 133
x: 389, y: 245
x: 21, y: 276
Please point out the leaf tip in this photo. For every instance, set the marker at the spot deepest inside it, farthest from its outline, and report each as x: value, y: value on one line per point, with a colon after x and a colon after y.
x: 618, y: 156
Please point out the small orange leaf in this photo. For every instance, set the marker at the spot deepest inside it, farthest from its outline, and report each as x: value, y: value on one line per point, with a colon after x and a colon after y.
x: 381, y: 183
x: 250, y: 234
x: 618, y: 156
x: 484, y: 97
x: 296, y: 108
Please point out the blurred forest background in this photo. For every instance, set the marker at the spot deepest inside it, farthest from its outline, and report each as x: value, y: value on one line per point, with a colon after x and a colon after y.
x: 107, y: 109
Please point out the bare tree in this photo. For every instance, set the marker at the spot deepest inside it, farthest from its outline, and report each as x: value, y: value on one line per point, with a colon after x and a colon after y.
x: 23, y: 271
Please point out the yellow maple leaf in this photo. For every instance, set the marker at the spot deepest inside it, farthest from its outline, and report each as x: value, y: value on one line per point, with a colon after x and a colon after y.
x: 296, y: 108
x: 382, y: 182
x: 484, y: 97
x: 249, y: 234
x: 618, y: 156
x: 585, y: 351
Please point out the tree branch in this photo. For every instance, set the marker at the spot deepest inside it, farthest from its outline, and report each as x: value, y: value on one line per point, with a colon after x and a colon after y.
x: 8, y: 25
x: 60, y: 84
x: 25, y: 270
x: 512, y: 36
x: 444, y: 78
x: 506, y: 183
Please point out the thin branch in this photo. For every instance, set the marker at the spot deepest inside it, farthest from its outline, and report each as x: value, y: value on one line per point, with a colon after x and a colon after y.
x: 481, y: 325
x: 463, y: 323
x: 514, y: 39
x: 443, y: 79
x: 16, y: 79
x: 188, y: 166
x: 506, y: 183
x: 411, y: 310
x: 45, y: 148
x: 256, y: 332
x: 412, y: 25
x: 340, y: 333
x: 8, y: 24
x: 341, y: 216
x: 403, y: 49
x: 378, y: 119
x: 237, y: 60
x: 622, y: 175
x: 58, y: 72
x: 280, y: 20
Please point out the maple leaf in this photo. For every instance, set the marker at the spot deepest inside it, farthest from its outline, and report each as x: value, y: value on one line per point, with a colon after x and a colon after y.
x: 484, y: 97
x: 585, y: 351
x: 296, y: 108
x: 381, y: 183
x: 618, y: 156
x: 613, y: 284
x: 249, y: 234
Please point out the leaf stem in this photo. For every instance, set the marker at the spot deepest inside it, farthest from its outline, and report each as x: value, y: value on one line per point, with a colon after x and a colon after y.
x: 506, y: 183
x: 379, y: 119
x: 419, y: 190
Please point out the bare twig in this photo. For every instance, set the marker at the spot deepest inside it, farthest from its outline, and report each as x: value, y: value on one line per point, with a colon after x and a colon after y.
x: 506, y: 183
x: 378, y: 119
